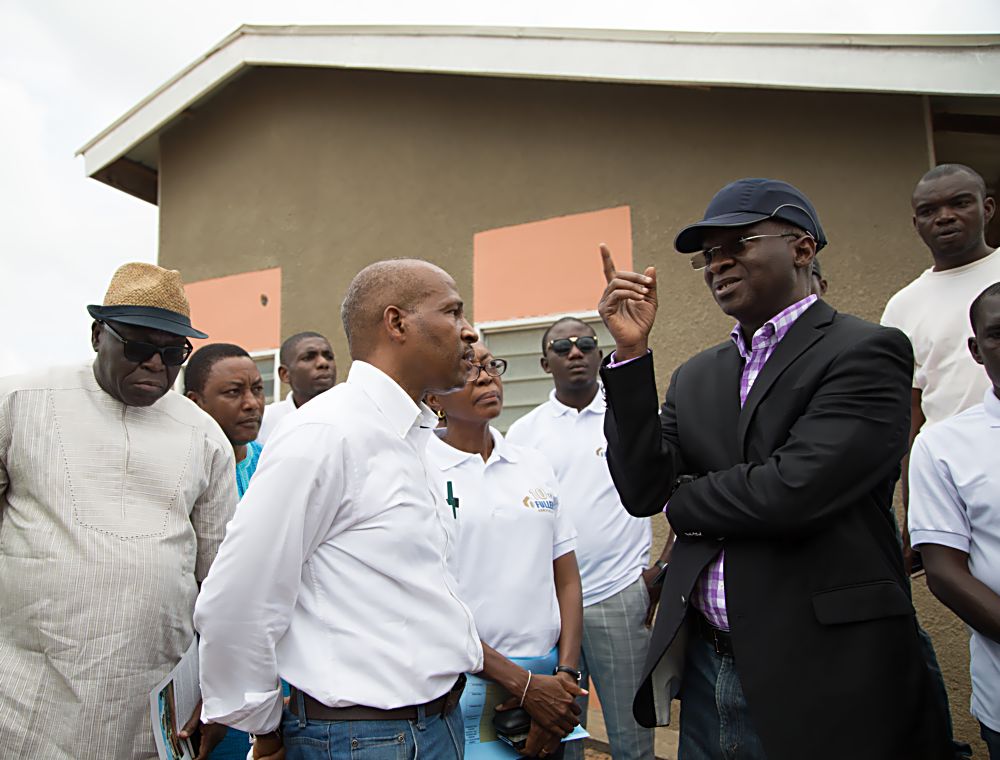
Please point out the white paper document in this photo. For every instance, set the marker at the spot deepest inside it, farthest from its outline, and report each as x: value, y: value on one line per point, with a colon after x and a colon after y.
x: 171, y: 703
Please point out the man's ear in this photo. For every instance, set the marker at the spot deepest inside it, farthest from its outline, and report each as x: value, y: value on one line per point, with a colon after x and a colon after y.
x: 283, y: 374
x: 394, y: 321
x: 195, y: 397
x: 544, y: 361
x: 95, y: 330
x: 805, y: 252
x: 989, y: 208
x: 433, y: 402
x: 974, y: 350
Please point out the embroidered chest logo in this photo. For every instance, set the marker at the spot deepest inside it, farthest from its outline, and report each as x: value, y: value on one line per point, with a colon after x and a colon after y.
x: 540, y: 500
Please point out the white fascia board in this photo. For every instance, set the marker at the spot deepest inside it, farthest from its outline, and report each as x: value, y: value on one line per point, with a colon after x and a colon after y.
x: 964, y: 67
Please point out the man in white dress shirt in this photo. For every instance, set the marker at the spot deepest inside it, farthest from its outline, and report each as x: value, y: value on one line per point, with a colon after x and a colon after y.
x: 332, y: 575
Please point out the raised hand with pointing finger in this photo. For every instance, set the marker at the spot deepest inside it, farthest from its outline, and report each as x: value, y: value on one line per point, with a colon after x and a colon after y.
x: 628, y: 307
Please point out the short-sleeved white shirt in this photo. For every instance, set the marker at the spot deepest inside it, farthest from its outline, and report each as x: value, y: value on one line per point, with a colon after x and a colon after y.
x: 955, y: 502
x: 612, y: 545
x: 933, y: 311
x: 505, y: 534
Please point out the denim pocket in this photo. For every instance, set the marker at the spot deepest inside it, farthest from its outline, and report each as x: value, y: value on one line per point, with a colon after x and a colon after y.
x: 308, y: 742
x: 379, y: 745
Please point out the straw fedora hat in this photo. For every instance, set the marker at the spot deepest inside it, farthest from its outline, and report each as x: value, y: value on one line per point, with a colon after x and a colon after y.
x: 148, y: 296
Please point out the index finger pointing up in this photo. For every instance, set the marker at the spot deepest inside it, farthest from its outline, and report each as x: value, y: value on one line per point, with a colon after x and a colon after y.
x: 609, y: 264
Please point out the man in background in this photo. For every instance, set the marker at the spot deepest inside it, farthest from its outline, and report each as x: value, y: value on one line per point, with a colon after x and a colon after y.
x: 950, y: 212
x: 612, y: 546
x: 114, y: 495
x: 307, y: 364
x: 955, y: 516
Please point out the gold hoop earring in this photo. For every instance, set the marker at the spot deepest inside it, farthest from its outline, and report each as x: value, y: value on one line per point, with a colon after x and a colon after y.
x: 441, y: 415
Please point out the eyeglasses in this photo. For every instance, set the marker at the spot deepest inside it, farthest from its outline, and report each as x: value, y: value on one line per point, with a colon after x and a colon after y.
x: 562, y: 346
x: 493, y: 368
x: 137, y: 351
x: 736, y: 248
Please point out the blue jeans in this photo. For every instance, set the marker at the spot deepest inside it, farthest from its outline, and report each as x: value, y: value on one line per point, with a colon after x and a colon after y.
x: 715, y: 721
x: 992, y: 739
x: 434, y: 737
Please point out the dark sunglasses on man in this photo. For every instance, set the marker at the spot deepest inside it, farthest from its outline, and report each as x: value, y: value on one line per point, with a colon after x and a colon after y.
x: 562, y: 346
x: 137, y: 351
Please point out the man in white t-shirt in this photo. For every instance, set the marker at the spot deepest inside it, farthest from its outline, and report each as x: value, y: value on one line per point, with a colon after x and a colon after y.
x: 955, y: 516
x: 612, y: 546
x: 307, y: 363
x: 950, y: 213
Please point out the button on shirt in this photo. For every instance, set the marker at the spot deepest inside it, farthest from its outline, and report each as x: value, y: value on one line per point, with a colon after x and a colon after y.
x: 508, y: 528
x: 612, y: 545
x: 955, y: 502
x: 710, y: 592
x: 332, y: 574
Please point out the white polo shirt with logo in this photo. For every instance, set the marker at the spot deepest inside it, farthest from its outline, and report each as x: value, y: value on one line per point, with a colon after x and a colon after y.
x: 506, y: 527
x: 612, y: 545
x: 955, y: 501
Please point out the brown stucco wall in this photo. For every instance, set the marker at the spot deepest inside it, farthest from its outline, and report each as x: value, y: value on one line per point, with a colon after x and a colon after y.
x: 321, y: 171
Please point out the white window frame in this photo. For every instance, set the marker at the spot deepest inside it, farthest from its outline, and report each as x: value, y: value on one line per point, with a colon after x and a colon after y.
x: 507, y: 325
x: 274, y: 354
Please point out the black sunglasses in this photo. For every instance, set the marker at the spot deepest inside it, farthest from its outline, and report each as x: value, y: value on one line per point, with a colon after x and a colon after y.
x: 137, y: 351
x: 562, y: 346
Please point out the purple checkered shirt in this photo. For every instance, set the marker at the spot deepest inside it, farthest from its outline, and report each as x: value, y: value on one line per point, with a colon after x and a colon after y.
x: 710, y: 591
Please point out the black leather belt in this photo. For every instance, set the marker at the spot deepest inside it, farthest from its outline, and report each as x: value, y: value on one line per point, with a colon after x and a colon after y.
x: 720, y: 640
x: 316, y: 710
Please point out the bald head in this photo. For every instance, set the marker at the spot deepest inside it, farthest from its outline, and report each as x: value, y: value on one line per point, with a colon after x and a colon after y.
x: 402, y: 283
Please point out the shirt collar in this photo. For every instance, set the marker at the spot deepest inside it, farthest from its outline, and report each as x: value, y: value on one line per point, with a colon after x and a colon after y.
x: 596, y: 405
x: 392, y: 401
x: 992, y: 406
x: 772, y: 331
x: 449, y: 457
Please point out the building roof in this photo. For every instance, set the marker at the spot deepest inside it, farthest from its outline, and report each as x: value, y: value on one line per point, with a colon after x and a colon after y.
x: 125, y: 154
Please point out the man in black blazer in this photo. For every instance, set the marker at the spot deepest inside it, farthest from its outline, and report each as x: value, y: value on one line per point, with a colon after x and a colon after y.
x: 786, y: 626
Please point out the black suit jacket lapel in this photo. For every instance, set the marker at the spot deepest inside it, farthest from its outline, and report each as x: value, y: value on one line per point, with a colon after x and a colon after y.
x: 798, y: 339
x: 726, y: 397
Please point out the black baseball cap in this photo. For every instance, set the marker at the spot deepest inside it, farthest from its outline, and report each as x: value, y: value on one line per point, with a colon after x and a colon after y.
x: 751, y: 200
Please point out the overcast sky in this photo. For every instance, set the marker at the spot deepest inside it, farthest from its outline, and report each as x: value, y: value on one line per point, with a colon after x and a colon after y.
x: 69, y: 69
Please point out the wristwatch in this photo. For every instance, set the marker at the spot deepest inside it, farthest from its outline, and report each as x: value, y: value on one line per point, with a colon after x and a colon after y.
x: 567, y: 669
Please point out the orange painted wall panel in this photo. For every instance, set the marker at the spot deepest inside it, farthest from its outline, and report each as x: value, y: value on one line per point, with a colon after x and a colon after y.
x: 547, y: 267
x: 244, y: 309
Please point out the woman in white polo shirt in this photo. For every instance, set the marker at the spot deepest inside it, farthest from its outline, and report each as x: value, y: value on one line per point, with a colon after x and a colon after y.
x: 511, y: 550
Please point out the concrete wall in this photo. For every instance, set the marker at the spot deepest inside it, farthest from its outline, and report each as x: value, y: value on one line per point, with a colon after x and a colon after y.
x: 321, y: 171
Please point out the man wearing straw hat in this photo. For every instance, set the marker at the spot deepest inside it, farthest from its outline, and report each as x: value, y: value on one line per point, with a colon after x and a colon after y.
x: 114, y: 495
